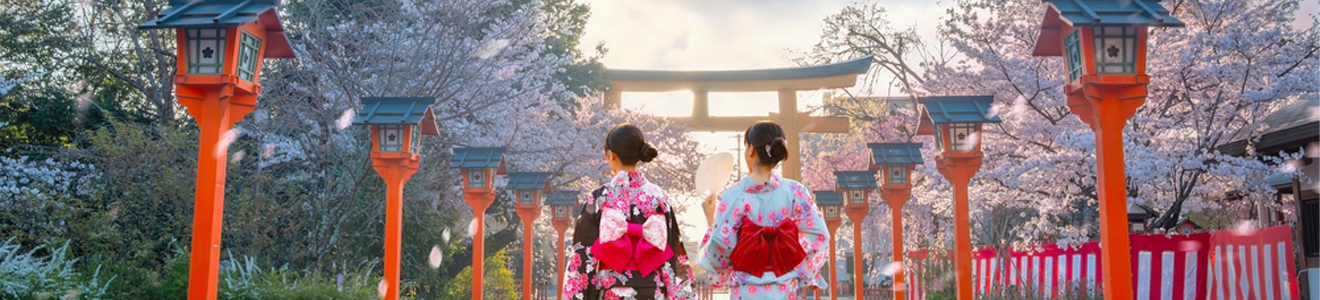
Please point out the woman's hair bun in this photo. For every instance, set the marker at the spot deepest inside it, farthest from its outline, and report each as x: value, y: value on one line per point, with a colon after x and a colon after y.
x: 648, y: 153
x: 767, y: 139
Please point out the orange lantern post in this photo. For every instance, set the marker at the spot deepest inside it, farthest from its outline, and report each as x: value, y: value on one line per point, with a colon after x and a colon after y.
x: 956, y: 123
x: 220, y: 47
x: 397, y: 127
x: 831, y: 204
x: 528, y: 189
x: 479, y: 167
x: 895, y: 162
x: 856, y: 187
x: 1104, y: 48
x: 563, y: 204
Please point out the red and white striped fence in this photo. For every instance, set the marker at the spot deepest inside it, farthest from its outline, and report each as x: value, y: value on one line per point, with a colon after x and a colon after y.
x: 1247, y: 265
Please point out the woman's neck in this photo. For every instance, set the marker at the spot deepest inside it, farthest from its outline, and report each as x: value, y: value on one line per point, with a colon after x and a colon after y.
x: 625, y: 168
x: 760, y: 176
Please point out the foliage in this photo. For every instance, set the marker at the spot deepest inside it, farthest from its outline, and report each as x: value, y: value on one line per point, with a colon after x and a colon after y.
x: 497, y: 283
x: 244, y: 280
x: 50, y: 273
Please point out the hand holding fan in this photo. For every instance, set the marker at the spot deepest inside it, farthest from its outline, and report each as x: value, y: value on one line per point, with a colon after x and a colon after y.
x: 713, y: 173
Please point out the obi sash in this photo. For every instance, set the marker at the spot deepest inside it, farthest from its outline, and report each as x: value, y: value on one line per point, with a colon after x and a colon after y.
x: 763, y: 249
x: 624, y: 246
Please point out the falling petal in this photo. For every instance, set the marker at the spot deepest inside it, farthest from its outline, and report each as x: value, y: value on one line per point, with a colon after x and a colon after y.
x: 434, y: 259
x: 445, y: 235
x: 382, y: 287
x: 1019, y: 105
x: 1246, y: 227
x: 227, y: 138
x: 72, y: 294
x: 993, y: 112
x: 891, y: 269
x: 267, y: 151
x: 506, y: 72
x: 974, y: 138
x: 472, y: 228
x: 345, y: 119
x: 1315, y: 113
x: 842, y: 35
x: 491, y: 48
x: 236, y: 157
x: 1189, y: 245
x: 1313, y: 150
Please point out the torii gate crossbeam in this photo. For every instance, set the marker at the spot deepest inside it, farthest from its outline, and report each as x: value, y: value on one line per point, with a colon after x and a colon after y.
x: 785, y: 81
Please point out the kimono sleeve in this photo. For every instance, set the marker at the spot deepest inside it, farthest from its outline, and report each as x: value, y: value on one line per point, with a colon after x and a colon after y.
x: 581, y: 266
x: 813, y: 235
x: 720, y: 240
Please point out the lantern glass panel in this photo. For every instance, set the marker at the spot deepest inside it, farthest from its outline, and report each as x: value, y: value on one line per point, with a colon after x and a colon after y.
x: 831, y: 211
x: 561, y: 212
x: 961, y: 136
x: 476, y: 178
x: 248, y: 52
x: 416, y: 139
x: 390, y: 137
x: 939, y: 137
x: 1115, y: 49
x: 896, y: 174
x: 526, y: 197
x: 1072, y: 48
x: 206, y: 50
x: 857, y: 196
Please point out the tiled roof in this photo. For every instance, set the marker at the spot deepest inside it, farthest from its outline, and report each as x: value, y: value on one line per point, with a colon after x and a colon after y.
x: 895, y: 153
x: 398, y: 110
x: 226, y: 13
x: 855, y: 179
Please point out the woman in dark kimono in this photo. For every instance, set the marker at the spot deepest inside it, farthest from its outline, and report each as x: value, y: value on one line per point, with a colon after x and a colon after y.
x: 626, y: 241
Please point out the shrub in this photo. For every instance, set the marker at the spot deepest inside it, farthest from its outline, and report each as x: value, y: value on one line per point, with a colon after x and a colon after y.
x: 27, y: 275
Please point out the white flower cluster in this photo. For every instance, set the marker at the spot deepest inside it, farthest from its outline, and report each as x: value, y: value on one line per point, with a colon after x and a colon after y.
x: 21, y: 179
x: 7, y: 84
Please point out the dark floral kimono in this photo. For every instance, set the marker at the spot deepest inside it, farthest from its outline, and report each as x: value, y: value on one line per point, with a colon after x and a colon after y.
x: 626, y: 245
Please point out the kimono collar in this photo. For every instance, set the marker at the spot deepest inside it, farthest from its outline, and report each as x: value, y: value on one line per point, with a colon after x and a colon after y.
x: 628, y: 179
x: 768, y: 186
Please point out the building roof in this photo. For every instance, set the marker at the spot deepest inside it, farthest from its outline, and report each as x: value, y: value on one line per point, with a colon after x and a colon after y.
x: 828, y: 198
x: 842, y: 74
x: 855, y: 179
x: 398, y: 110
x: 528, y: 180
x: 478, y: 158
x: 1091, y: 13
x: 562, y: 198
x: 226, y: 13
x: 895, y: 153
x: 1289, y: 128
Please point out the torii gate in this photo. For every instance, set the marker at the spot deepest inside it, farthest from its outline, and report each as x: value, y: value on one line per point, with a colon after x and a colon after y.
x: 785, y: 81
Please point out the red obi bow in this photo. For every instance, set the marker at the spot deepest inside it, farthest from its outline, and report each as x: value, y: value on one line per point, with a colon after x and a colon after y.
x: 763, y: 249
x: 624, y: 246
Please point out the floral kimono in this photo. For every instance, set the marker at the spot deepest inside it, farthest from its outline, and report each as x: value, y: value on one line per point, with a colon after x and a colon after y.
x: 768, y: 241
x: 626, y: 245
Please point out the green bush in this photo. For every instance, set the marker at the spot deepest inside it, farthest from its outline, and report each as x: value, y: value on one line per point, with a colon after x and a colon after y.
x: 244, y: 280
x: 498, y: 283
x: 46, y: 274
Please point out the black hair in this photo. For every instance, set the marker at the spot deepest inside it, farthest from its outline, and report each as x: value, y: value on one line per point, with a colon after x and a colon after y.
x: 767, y: 139
x: 628, y: 142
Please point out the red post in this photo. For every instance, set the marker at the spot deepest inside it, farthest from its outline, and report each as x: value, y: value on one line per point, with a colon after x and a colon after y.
x: 479, y: 200
x: 528, y: 216
x: 959, y: 167
x: 215, y: 110
x: 1106, y: 108
x: 857, y: 214
x: 896, y: 196
x: 561, y: 225
x: 395, y: 172
x: 833, y: 225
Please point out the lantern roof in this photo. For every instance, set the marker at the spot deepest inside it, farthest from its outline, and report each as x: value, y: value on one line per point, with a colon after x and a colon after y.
x: 895, y: 153
x: 828, y: 198
x: 958, y: 109
x: 529, y: 180
x: 855, y: 179
x: 479, y: 158
x: 398, y: 111
x: 1094, y: 13
x: 226, y: 13
x: 562, y: 198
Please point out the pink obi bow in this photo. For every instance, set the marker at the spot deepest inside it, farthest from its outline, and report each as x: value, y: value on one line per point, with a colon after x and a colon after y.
x: 624, y: 246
